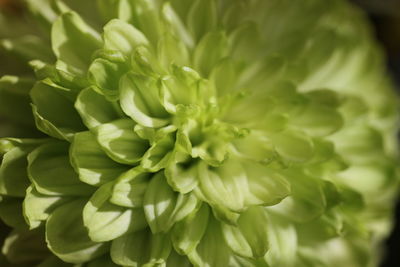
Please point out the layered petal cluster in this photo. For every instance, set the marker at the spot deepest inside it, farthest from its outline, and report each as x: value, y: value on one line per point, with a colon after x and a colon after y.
x: 198, y: 133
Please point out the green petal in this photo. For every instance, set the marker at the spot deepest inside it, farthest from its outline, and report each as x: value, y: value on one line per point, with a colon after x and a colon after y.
x: 68, y: 238
x: 307, y: 200
x: 13, y: 174
x: 15, y: 100
x: 59, y: 78
x: 37, y: 207
x: 212, y: 48
x: 146, y: 18
x: 140, y: 100
x: 164, y: 207
x: 122, y: 36
x: 105, y: 75
x: 28, y: 47
x: 224, y: 186
x: 159, y: 154
x: 182, y: 176
x: 53, y: 261
x: 51, y: 172
x: 104, y: 261
x: 46, y: 11
x: 25, y: 246
x: 175, y: 259
x: 246, y: 42
x: 202, y: 18
x: 95, y: 109
x: 250, y: 237
x: 106, y: 221
x: 282, y: 242
x: 11, y: 212
x: 141, y: 248
x: 187, y: 234
x: 319, y: 120
x: 266, y: 186
x: 172, y: 50
x: 293, y: 146
x: 120, y: 142
x: 130, y: 188
x: 181, y: 90
x: 59, y: 114
x: 212, y: 249
x: 175, y: 24
x: 91, y: 163
x: 74, y: 42
x: 328, y: 226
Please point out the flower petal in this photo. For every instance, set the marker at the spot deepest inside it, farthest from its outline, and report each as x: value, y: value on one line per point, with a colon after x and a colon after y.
x: 119, y: 140
x: 74, y: 42
x: 140, y: 100
x: 187, y: 234
x: 142, y: 248
x: 164, y: 207
x: 67, y: 237
x: 250, y: 237
x: 57, y: 115
x: 37, y: 207
x: 106, y: 221
x: 130, y: 188
x: 122, y: 36
x: 52, y: 174
x: 91, y: 163
x: 95, y: 109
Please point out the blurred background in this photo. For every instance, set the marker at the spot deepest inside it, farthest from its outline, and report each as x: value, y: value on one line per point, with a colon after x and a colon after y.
x: 385, y: 17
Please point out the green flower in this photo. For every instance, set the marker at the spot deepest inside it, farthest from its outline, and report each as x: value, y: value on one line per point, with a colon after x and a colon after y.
x: 203, y: 133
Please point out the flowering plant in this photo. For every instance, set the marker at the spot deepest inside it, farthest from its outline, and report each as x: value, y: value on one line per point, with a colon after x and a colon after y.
x: 196, y: 133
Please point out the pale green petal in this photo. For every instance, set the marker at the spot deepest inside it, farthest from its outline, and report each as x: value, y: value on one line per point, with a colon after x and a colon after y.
x: 141, y: 248
x: 13, y: 174
x: 52, y: 174
x: 105, y: 74
x: 182, y: 176
x: 140, y: 101
x: 130, y: 188
x: 14, y: 99
x: 282, y: 241
x: 37, y: 207
x: 164, y: 207
x: 74, y: 42
x: 106, y: 221
x: 119, y: 140
x: 68, y: 238
x: 28, y: 47
x: 11, y: 212
x: 250, y: 237
x: 175, y: 24
x: 25, y: 246
x: 95, y: 109
x: 212, y: 249
x: 225, y: 186
x: 212, y: 48
x: 202, y: 18
x: 266, y: 186
x: 159, y: 154
x: 122, y: 36
x: 91, y: 162
x: 187, y: 234
x: 293, y: 145
x: 59, y: 112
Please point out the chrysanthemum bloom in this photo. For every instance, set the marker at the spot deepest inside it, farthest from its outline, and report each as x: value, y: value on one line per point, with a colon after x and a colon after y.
x: 205, y: 133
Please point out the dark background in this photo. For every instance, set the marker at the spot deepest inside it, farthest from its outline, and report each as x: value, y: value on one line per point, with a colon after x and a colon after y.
x: 385, y: 16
